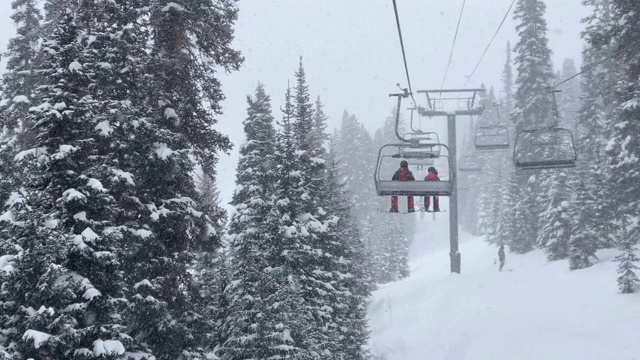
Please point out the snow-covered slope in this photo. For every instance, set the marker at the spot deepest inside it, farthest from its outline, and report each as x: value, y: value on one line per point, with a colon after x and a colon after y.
x: 538, y: 310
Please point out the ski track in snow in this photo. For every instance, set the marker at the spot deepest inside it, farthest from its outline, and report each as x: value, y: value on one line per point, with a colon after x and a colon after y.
x: 539, y: 310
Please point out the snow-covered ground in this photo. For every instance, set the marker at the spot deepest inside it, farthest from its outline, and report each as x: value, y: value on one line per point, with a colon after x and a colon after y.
x: 537, y: 310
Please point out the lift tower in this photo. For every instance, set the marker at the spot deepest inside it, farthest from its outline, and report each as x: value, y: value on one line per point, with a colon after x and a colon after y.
x: 451, y: 103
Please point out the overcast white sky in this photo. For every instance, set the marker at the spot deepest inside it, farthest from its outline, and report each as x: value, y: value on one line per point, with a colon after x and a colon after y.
x: 352, y: 54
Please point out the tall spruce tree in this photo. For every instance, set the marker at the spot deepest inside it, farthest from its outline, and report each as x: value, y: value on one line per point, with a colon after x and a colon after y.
x: 593, y: 214
x: 18, y: 83
x: 210, y: 267
x: 354, y: 153
x: 623, y: 147
x: 63, y: 223
x: 556, y: 224
x: 256, y: 326
x: 349, y: 264
x: 533, y: 108
x: 108, y: 217
x: 504, y: 230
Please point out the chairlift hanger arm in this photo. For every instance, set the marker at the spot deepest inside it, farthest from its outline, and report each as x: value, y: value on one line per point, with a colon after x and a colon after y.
x: 398, y: 107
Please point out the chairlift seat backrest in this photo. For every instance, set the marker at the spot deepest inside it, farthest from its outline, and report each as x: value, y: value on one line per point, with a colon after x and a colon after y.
x: 544, y: 149
x: 493, y: 137
x: 470, y: 163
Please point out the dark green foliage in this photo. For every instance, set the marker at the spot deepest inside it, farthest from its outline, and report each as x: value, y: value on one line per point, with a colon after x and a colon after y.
x: 110, y: 242
x: 17, y: 86
x: 263, y: 318
x: 623, y: 148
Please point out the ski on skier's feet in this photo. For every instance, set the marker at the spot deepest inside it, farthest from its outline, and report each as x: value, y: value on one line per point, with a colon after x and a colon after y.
x: 431, y: 211
x: 398, y: 212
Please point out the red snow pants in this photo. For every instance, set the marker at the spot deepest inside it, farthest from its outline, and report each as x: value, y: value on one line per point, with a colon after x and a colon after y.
x: 394, y: 202
x: 436, y: 202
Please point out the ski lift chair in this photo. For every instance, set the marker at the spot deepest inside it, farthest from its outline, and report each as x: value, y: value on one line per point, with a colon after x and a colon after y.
x: 492, y: 138
x: 550, y: 148
x: 406, y: 151
x: 470, y: 164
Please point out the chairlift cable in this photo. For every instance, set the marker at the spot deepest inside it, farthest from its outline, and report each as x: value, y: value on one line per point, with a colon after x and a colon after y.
x: 490, y: 42
x: 453, y: 46
x: 404, y: 55
x: 592, y: 66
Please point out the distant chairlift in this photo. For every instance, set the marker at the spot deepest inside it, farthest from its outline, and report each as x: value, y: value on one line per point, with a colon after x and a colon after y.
x: 470, y: 164
x: 412, y: 153
x: 551, y: 148
x: 492, y: 137
x: 546, y: 148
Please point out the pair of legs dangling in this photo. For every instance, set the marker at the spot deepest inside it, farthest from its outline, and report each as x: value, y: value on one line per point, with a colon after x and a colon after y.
x: 411, y: 205
x: 436, y: 203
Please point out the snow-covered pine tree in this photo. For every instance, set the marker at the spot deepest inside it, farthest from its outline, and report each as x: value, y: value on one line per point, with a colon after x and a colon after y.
x: 627, y: 279
x: 507, y: 222
x: 348, y: 259
x: 505, y: 187
x: 256, y: 325
x: 65, y: 226
x: 593, y: 213
x: 556, y: 222
x: 523, y: 226
x: 319, y: 136
x: 353, y: 150
x: 533, y: 102
x: 533, y: 108
x: 210, y: 267
x: 318, y: 265
x: 181, y: 101
x: 18, y: 82
x: 623, y: 147
x: 303, y: 115
x: 291, y: 240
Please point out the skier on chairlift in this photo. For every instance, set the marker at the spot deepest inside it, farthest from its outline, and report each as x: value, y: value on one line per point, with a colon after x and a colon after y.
x: 403, y: 174
x: 432, y: 175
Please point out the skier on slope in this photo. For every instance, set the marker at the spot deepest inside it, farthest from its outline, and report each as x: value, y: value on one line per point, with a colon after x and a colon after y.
x: 501, y: 256
x: 403, y: 174
x: 432, y: 175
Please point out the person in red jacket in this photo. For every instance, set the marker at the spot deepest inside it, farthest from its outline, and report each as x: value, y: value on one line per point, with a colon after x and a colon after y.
x: 403, y: 174
x: 432, y: 175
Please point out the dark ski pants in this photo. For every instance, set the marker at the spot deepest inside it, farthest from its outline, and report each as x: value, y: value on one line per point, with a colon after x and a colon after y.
x: 394, y: 202
x: 436, y: 202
